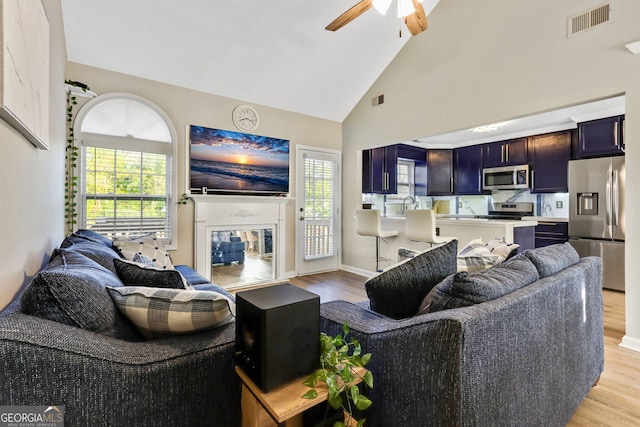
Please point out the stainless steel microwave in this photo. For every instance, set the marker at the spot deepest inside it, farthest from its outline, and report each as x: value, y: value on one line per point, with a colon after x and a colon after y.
x: 505, y: 178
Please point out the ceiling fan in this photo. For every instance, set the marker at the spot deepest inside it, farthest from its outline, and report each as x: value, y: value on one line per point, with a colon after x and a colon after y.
x: 410, y: 10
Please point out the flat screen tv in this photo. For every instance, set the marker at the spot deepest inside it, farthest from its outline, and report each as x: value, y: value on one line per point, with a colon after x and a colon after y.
x: 227, y: 162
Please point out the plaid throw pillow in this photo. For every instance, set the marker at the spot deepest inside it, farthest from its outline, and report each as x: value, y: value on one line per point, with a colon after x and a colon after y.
x: 475, y: 256
x: 158, y: 312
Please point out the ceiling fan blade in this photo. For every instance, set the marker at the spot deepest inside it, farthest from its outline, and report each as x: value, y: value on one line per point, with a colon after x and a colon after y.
x: 417, y: 21
x: 350, y: 15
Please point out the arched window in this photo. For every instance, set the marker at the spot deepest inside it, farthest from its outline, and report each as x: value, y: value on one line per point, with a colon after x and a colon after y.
x: 127, y: 167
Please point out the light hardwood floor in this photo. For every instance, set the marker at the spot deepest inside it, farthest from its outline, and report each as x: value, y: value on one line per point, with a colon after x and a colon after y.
x: 614, y: 402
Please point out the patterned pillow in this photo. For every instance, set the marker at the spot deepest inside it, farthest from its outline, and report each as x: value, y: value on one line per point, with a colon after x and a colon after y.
x: 398, y: 290
x: 475, y: 256
x: 502, y: 249
x: 160, y: 312
x: 133, y: 273
x: 149, y: 246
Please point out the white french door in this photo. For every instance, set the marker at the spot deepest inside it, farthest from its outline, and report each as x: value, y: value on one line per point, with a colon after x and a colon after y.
x: 317, y: 210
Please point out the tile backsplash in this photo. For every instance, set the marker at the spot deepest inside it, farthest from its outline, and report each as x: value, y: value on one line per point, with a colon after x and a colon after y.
x: 547, y: 205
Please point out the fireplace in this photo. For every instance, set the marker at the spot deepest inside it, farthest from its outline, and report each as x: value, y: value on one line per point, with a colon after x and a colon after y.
x: 239, y: 240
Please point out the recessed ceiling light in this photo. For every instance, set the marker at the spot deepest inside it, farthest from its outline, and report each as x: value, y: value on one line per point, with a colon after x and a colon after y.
x: 490, y: 127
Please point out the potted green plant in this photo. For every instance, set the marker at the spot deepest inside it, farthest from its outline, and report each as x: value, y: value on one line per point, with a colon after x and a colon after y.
x: 339, y: 358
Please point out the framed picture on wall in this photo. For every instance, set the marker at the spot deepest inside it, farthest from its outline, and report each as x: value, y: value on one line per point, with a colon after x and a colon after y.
x: 24, y: 74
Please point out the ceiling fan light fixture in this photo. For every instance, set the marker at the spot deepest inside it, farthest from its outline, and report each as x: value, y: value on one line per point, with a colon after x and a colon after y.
x: 382, y: 6
x: 405, y: 8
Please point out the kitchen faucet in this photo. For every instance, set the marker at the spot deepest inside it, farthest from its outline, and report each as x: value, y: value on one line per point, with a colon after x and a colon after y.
x: 404, y: 206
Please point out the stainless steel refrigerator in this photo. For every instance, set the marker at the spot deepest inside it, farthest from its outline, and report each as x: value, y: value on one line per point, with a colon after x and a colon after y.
x: 596, y: 214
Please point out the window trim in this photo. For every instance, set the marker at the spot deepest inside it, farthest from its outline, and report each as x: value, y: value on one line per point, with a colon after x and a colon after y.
x: 173, y: 197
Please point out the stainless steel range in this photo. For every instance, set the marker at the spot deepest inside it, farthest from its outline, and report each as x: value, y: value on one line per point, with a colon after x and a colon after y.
x: 509, y: 210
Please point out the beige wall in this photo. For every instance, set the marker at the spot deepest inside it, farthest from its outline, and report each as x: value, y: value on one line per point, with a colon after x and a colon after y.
x: 32, y: 183
x: 185, y: 107
x: 482, y: 62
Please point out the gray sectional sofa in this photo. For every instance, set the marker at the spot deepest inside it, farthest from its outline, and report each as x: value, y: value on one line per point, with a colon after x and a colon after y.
x: 75, y: 349
x: 520, y: 344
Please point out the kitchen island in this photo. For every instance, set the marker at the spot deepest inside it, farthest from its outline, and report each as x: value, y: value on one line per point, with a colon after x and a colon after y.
x: 464, y: 229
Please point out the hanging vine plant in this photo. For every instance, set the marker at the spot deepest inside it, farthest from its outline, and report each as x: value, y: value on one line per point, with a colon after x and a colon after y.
x: 71, y: 159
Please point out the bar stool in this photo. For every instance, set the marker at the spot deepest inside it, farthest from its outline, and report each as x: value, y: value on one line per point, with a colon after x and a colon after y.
x: 420, y: 226
x: 368, y: 224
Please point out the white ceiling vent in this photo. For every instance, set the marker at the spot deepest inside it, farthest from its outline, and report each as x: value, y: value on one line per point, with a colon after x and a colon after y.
x: 377, y: 100
x: 588, y: 19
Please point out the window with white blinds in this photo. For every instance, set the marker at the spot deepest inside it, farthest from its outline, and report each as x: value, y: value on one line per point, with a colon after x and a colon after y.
x: 126, y: 170
x: 405, y: 178
x: 319, y: 209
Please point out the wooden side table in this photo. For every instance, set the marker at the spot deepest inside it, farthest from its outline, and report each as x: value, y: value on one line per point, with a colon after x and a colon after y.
x: 280, y: 407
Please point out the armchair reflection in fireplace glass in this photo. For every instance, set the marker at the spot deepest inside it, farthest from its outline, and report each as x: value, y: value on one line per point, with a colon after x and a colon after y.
x: 226, y: 248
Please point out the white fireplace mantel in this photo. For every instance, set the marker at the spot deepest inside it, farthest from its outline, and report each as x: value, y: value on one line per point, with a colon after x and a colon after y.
x: 213, y: 212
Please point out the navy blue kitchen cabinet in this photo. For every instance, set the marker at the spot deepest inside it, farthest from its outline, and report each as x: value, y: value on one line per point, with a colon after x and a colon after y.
x: 549, y: 156
x: 551, y: 233
x: 601, y: 137
x: 468, y: 170
x: 379, y: 167
x: 440, y: 172
x: 505, y: 153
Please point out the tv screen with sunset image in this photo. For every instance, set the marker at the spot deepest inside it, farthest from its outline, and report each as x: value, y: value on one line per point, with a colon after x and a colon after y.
x: 224, y: 161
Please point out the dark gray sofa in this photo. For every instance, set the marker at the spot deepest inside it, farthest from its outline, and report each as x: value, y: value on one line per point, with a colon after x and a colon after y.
x: 103, y: 379
x: 527, y: 358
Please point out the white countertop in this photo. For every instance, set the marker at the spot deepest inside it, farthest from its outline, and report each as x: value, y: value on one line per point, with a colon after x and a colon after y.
x: 469, y: 220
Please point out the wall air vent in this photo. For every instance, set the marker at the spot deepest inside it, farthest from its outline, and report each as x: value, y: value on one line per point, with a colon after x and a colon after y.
x: 593, y: 17
x: 377, y: 100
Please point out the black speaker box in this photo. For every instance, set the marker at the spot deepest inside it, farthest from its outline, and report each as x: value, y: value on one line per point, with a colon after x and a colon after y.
x: 277, y: 334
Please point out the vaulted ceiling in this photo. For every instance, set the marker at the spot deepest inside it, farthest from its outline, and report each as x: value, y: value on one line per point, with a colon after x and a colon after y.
x: 275, y: 53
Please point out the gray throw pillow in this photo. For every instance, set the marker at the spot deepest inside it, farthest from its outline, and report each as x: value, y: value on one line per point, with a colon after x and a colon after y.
x: 554, y: 258
x: 398, y: 290
x: 133, y: 273
x: 71, y: 289
x: 466, y: 289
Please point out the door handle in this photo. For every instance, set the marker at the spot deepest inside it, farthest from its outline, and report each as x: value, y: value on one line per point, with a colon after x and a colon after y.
x: 615, y: 135
x: 502, y: 153
x: 608, y: 209
x: 533, y: 179
x: 301, y: 218
x: 616, y: 199
x: 451, y: 185
x: 507, y: 151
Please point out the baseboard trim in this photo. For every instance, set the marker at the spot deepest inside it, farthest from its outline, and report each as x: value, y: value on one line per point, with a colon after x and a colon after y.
x: 355, y: 270
x: 287, y: 275
x: 630, y: 343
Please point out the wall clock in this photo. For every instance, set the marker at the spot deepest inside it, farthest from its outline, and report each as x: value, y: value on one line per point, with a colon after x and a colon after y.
x: 245, y: 118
